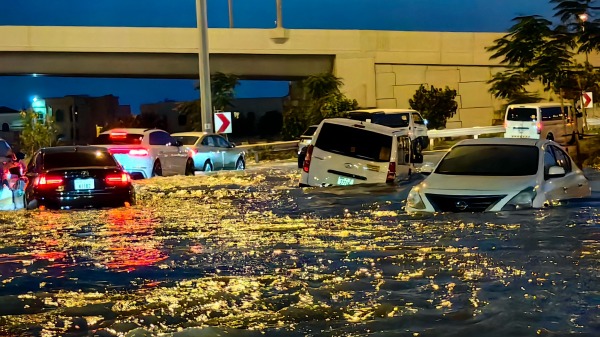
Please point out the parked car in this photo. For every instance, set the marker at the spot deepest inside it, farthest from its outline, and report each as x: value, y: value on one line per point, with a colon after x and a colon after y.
x: 304, y: 142
x: 76, y: 177
x: 404, y: 119
x: 211, y: 151
x: 146, y: 153
x: 349, y: 152
x: 499, y: 174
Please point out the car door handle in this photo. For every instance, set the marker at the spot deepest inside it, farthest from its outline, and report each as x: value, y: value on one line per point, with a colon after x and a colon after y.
x: 565, y: 189
x: 580, y: 184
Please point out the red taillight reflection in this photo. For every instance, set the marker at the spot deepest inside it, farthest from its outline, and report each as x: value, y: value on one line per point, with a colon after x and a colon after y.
x: 309, y: 151
x: 391, y: 175
x: 48, y: 181
x: 117, y: 179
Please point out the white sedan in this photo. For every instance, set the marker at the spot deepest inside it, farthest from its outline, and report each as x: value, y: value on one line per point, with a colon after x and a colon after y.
x: 211, y: 151
x: 499, y: 174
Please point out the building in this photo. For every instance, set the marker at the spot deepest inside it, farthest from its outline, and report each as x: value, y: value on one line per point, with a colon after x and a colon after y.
x: 77, y: 116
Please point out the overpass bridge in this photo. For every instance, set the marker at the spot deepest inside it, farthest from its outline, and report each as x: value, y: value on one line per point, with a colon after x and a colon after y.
x: 379, y: 68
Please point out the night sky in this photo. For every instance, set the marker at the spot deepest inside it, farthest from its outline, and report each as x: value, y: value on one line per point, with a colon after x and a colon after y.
x: 415, y: 15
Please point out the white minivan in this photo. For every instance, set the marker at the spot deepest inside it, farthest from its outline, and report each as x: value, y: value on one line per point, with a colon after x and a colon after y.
x: 350, y: 152
x: 541, y: 121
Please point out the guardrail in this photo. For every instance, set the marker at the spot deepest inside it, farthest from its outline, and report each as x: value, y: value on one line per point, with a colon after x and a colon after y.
x: 474, y: 131
x: 256, y: 149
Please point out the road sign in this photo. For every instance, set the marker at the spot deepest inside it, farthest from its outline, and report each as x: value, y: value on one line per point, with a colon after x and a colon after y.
x: 223, y: 122
x: 587, y: 99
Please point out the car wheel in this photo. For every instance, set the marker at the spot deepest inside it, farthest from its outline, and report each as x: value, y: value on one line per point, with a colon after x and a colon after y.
x: 157, y: 169
x: 207, y: 167
x: 240, y: 165
x: 189, y: 167
x: 550, y: 136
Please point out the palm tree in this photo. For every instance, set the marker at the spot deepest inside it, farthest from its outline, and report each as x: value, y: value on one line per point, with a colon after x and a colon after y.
x: 222, y: 90
x: 322, y: 85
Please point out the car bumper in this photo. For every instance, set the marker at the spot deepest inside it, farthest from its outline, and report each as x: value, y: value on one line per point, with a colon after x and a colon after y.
x: 93, y: 199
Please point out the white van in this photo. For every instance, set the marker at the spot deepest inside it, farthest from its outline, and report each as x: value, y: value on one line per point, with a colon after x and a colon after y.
x: 541, y: 121
x: 403, y: 119
x: 350, y: 152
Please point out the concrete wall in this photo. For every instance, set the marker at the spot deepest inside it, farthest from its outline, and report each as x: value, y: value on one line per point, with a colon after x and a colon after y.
x: 378, y: 67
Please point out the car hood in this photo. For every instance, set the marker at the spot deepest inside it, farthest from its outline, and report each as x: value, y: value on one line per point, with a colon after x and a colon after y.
x: 477, y: 183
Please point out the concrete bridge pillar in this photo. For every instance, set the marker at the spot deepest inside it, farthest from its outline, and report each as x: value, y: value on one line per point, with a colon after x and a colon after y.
x: 358, y: 75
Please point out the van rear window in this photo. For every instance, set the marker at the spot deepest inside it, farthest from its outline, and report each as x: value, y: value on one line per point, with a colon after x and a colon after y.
x: 521, y: 114
x: 354, y: 142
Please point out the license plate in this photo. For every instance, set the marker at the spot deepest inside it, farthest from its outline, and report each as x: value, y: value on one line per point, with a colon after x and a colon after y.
x: 84, y: 184
x: 343, y: 181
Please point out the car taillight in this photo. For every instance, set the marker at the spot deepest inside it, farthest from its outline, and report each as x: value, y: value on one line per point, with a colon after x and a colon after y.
x: 48, y: 181
x: 307, y: 158
x: 538, y: 125
x: 391, y: 175
x: 115, y: 179
x: 138, y: 152
x: 505, y: 124
x: 118, y: 135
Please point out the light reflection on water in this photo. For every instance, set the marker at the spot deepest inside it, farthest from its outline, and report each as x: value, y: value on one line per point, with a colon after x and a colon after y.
x: 262, y: 256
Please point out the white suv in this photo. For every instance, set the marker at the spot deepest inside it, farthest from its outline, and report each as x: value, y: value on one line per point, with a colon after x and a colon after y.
x: 146, y: 153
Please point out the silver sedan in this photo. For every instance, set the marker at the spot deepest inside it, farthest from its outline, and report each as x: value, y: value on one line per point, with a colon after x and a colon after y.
x: 212, y: 151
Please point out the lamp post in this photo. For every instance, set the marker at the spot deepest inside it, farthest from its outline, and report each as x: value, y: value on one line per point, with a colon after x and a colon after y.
x: 203, y: 67
x: 583, y: 17
x: 279, y: 14
x: 230, y: 7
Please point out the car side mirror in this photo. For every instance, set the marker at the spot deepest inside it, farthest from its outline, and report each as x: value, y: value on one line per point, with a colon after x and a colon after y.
x: 556, y: 172
x: 20, y: 155
x: 232, y: 145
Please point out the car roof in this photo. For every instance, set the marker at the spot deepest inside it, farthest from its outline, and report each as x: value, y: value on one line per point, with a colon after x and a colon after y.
x: 385, y: 111
x: 191, y: 133
x: 74, y: 148
x: 504, y: 141
x: 540, y: 105
x: 371, y: 126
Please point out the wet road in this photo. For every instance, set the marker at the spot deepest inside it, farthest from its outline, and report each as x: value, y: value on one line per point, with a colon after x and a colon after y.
x: 250, y: 254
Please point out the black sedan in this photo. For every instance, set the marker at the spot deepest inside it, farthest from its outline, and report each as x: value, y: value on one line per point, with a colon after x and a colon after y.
x: 67, y: 177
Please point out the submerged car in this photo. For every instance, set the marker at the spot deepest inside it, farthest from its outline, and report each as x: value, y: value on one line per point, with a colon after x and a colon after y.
x: 211, y: 151
x: 77, y: 177
x: 499, y: 174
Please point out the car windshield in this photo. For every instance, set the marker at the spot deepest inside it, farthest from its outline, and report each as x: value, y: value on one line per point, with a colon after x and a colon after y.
x: 310, y: 131
x: 490, y: 160
x: 119, y: 139
x: 394, y: 120
x: 187, y: 140
x: 53, y: 160
x: 354, y: 142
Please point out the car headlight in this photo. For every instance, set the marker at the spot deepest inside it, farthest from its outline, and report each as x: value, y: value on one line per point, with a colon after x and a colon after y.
x: 522, y: 200
x: 414, y: 200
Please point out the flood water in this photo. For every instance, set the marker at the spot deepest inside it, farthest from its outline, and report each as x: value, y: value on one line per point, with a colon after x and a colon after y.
x: 250, y: 254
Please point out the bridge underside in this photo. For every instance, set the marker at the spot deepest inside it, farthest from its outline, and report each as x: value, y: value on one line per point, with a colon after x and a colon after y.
x: 162, y: 65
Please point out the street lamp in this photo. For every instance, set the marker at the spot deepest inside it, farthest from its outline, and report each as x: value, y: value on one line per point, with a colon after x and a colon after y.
x: 203, y: 66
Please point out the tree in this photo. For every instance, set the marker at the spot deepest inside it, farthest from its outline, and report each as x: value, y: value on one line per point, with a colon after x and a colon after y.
x: 326, y: 98
x: 222, y: 91
x: 37, y: 133
x: 435, y: 104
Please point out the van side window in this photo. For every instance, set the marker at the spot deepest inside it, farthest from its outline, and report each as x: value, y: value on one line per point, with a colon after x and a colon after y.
x: 417, y: 118
x: 553, y: 113
x: 562, y: 159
